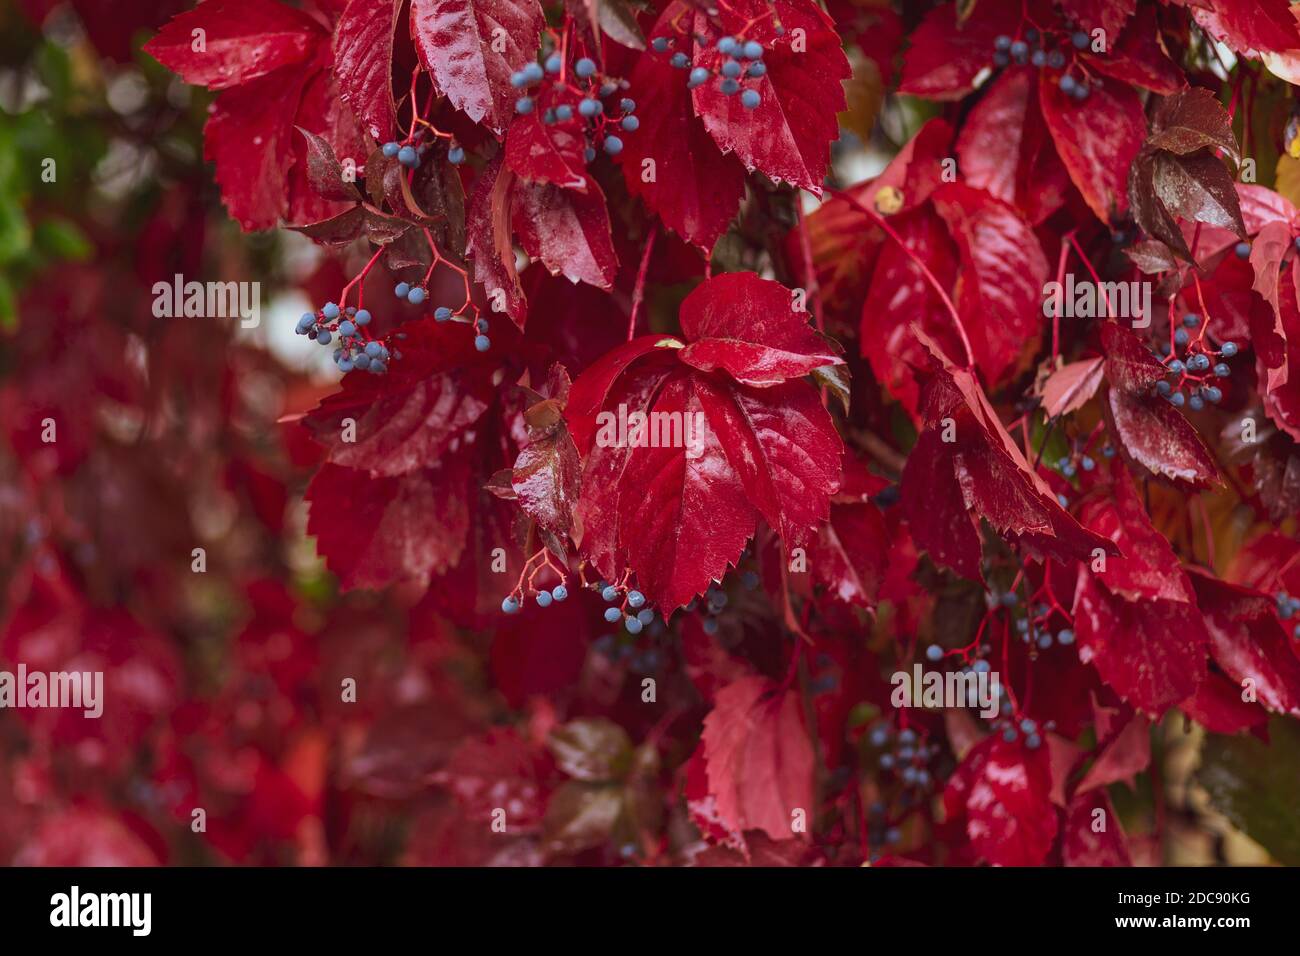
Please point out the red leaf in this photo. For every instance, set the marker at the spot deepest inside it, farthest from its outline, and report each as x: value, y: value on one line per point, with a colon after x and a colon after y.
x: 457, y: 43
x: 1217, y: 706
x: 1250, y: 25
x: 488, y: 238
x: 1249, y: 643
x: 1150, y: 430
x: 377, y: 531
x: 758, y: 757
x: 1098, y: 139
x: 1108, y: 15
x: 1003, y: 791
x: 241, y: 41
x: 547, y: 478
x: 748, y: 327
x: 1083, y: 843
x: 1152, y: 653
x: 851, y: 553
x: 363, y: 62
x: 692, y: 186
x: 567, y: 230
x: 788, y: 135
x: 946, y: 56
x: 1139, y: 56
x: 1071, y: 387
x: 541, y: 152
x: 1003, y: 271
x: 1126, y: 754
x: 587, y: 395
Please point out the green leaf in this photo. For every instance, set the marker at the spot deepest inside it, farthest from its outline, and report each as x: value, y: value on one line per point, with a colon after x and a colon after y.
x: 63, y: 240
x: 8, y: 307
x: 594, y: 749
x: 1255, y: 785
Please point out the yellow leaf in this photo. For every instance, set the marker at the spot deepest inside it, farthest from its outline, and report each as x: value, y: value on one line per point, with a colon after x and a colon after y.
x: 865, y: 93
x: 1287, y: 182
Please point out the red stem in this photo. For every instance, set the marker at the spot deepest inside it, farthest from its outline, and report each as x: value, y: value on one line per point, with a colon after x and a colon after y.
x: 638, y: 293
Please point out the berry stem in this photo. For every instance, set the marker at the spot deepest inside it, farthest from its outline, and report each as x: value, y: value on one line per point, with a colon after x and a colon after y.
x: 638, y: 293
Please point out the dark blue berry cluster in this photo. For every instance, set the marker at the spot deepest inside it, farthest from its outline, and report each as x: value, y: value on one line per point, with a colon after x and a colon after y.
x: 623, y: 649
x: 906, y: 754
x: 1043, y: 52
x: 1013, y: 729
x: 584, y: 96
x: 1193, y: 366
x: 742, y: 61
x: 715, y: 602
x: 543, y: 598
x: 628, y: 606
x: 344, y: 328
x: 417, y: 294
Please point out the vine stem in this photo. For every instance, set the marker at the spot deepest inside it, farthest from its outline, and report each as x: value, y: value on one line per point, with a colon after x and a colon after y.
x: 879, y: 220
x: 638, y: 293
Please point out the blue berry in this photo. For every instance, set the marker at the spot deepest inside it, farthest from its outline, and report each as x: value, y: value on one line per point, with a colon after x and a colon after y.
x: 362, y: 317
x: 610, y: 593
x: 757, y: 69
x: 630, y: 123
x: 1228, y: 349
x: 407, y: 156
x: 886, y: 761
x: 1065, y: 637
x: 634, y: 599
x: 1063, y: 501
x: 362, y: 361
x: 1180, y: 337
x: 331, y: 311
x: 584, y: 67
x: 729, y: 46
x: 981, y: 667
x: 589, y: 108
x: 1068, y: 84
x: 588, y: 154
x: 442, y: 313
x: 481, y: 325
x: 1200, y: 362
x: 710, y: 626
x: 731, y: 69
x: 416, y: 295
x: 633, y: 625
x: 907, y: 736
x: 1045, y: 641
x: 728, y: 87
x: 347, y: 329
x: 323, y: 336
x: 1020, y: 51
x: 533, y: 72
x: 1009, y: 735
x: 1002, y: 42
x: 1079, y: 39
x: 1039, y: 58
x: 879, y: 736
x: 1176, y: 367
x: 559, y: 592
x: 1196, y: 403
x: 401, y: 289
x: 544, y: 599
x: 456, y: 155
x: 680, y: 60
x: 390, y: 149
x: 305, y: 322
x: 1010, y: 599
x: 934, y: 652
x: 1213, y: 394
x: 377, y: 367
x: 612, y: 614
x: 1178, y: 399
x: 1056, y: 59
x: 553, y: 63
x: 564, y: 113
x: 698, y: 76
x: 1001, y: 59
x: 524, y: 105
x: 1081, y: 92
x: 1033, y: 741
x: 374, y: 349
x: 1242, y: 249
x: 613, y: 145
x: 1191, y: 320
x: 752, y: 50
x: 645, y: 615
x: 659, y: 44
x: 750, y: 99
x: 518, y: 79
x: 1087, y: 463
x: 482, y: 343
x: 510, y: 605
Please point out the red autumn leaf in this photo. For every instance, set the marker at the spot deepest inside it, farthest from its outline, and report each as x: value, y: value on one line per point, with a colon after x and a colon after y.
x: 1108, y: 15
x: 758, y: 758
x: 499, y: 769
x: 949, y: 485
x: 1249, y: 643
x: 787, y: 136
x: 1091, y: 834
x: 1002, y: 792
x: 851, y: 553
x: 1139, y: 56
x: 1217, y: 706
x: 459, y: 42
x: 238, y: 41
x: 488, y: 238
x: 1097, y: 140
x: 1002, y: 273
x: 1123, y: 756
x: 1151, y: 652
x: 363, y: 62
x: 547, y: 477
x: 567, y: 230
x: 672, y: 163
x: 549, y: 152
x: 1150, y: 430
x: 946, y: 55
x: 752, y: 329
x: 1147, y: 568
x: 1250, y: 26
x: 1071, y: 386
